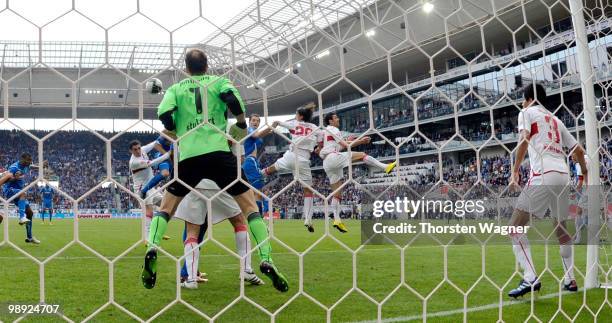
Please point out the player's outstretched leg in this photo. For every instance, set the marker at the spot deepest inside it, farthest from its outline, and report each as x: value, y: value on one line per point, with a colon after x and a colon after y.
x: 21, y: 207
x: 307, y: 209
x: 522, y: 252
x: 566, y: 249
x: 338, y: 224
x: 371, y: 161
x: 159, y: 225
x: 192, y: 254
x: 259, y: 231
x: 30, y: 215
x: 200, y: 277
x: 152, y: 183
x: 243, y: 246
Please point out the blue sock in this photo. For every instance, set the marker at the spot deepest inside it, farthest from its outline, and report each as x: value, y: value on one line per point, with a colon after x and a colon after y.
x: 184, y: 268
x: 29, y: 229
x: 152, y: 183
x: 50, y: 215
x: 202, y: 232
x: 21, y: 205
x: 266, y: 206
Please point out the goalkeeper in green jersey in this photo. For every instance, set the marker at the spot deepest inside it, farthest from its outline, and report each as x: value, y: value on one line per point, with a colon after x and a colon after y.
x: 205, y: 153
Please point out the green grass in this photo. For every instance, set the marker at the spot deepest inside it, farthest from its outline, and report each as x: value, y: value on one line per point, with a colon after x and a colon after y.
x: 79, y: 281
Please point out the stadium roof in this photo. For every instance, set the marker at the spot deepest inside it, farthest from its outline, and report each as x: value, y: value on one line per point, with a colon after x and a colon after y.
x: 284, y: 22
x: 279, y: 46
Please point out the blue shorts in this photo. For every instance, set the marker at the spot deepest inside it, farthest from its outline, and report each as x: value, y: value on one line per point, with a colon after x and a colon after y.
x: 10, y: 192
x: 166, y: 165
x: 47, y: 205
x: 250, y: 167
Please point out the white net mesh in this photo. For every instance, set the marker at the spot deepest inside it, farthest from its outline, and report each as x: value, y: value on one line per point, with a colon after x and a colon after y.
x: 436, y: 85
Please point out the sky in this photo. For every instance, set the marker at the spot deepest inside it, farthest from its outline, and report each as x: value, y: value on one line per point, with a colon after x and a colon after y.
x: 108, y: 13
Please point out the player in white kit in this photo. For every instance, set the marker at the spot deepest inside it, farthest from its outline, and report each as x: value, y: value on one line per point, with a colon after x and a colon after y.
x: 335, y: 160
x: 193, y: 210
x: 544, y: 136
x: 140, y: 167
x: 304, y: 138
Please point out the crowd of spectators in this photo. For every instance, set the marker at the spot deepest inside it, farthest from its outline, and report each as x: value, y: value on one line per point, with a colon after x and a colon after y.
x: 77, y: 162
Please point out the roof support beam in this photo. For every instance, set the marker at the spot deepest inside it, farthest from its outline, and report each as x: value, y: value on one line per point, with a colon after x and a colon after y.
x: 2, y: 65
x: 30, y: 74
x: 130, y: 64
x: 78, y: 91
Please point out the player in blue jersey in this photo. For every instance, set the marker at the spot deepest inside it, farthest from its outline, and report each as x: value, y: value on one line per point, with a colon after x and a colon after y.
x: 164, y: 169
x: 47, y: 202
x: 13, y: 182
x: 250, y: 165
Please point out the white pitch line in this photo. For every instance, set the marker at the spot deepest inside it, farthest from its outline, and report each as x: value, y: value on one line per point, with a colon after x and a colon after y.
x: 467, y: 310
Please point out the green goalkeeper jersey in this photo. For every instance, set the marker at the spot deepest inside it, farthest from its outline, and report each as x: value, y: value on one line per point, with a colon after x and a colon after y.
x: 188, y: 104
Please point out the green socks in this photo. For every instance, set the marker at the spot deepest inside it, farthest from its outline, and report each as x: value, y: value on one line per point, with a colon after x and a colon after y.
x: 158, y: 228
x: 259, y: 232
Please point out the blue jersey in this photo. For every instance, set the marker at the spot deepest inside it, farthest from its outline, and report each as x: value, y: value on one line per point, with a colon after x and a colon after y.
x: 252, y: 172
x: 47, y: 194
x: 252, y: 144
x: 17, y: 170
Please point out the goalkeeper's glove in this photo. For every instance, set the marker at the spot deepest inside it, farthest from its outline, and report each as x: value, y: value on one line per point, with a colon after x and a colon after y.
x: 238, y: 131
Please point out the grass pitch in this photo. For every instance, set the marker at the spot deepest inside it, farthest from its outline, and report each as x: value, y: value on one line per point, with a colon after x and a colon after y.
x: 78, y: 280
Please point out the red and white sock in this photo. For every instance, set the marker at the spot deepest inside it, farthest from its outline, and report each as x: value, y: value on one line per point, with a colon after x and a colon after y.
x: 308, y: 203
x: 567, y: 259
x: 335, y: 205
x: 192, y: 258
x: 371, y: 161
x: 243, y: 245
x: 522, y: 251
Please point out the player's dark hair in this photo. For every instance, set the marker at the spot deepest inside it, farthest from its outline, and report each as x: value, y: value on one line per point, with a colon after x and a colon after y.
x: 25, y: 156
x: 134, y: 143
x: 535, y: 92
x: 306, y: 113
x: 196, y: 61
x: 328, y: 117
x: 253, y: 115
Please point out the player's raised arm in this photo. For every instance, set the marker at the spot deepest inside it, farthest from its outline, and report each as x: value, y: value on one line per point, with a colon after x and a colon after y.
x: 159, y: 159
x: 575, y: 148
x: 6, y: 177
x: 521, y: 149
x: 148, y: 147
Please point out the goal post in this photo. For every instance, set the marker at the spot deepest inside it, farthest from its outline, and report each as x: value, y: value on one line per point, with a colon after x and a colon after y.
x: 592, y: 140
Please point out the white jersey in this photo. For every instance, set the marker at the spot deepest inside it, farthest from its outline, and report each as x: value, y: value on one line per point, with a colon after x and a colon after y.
x: 140, y: 167
x: 547, y: 138
x: 330, y: 143
x: 302, y: 142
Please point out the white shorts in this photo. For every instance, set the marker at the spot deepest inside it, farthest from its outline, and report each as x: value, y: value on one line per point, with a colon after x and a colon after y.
x: 334, y: 165
x: 287, y: 164
x: 547, y: 191
x: 154, y: 197
x: 193, y: 209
